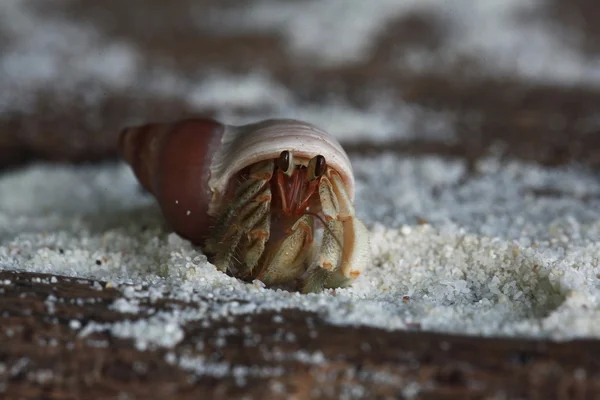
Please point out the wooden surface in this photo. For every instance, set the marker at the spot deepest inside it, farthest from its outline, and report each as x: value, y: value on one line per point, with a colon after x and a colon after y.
x: 352, y: 362
x: 41, y: 355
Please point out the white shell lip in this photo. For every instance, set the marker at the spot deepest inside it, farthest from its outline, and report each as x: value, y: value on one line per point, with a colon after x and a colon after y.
x: 244, y: 145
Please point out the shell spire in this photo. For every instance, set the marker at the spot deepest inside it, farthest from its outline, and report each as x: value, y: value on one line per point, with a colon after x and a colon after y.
x: 172, y: 161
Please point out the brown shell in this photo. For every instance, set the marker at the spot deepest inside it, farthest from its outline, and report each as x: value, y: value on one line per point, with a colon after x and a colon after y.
x: 189, y: 165
x: 172, y: 161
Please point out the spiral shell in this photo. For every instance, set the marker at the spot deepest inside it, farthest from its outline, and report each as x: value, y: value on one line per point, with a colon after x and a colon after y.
x: 190, y: 165
x: 172, y: 161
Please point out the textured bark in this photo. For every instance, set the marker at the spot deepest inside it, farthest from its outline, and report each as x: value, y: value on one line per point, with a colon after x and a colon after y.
x: 352, y: 362
x: 41, y: 354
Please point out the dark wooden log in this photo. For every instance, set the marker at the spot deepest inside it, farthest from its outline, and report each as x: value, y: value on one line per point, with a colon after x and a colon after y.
x: 42, y: 355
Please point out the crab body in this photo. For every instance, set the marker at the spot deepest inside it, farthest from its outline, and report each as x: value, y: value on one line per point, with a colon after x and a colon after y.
x: 254, y: 196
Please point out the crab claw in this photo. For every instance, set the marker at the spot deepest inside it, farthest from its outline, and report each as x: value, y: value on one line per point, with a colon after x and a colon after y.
x: 345, y: 248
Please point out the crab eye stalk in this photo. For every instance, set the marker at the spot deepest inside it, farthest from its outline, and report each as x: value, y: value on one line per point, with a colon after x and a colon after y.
x: 316, y: 167
x: 285, y: 162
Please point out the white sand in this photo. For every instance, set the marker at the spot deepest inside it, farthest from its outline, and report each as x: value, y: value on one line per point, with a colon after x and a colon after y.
x: 493, y: 260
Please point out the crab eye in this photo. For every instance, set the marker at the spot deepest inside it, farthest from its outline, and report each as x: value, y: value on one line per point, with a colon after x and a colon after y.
x: 316, y: 167
x: 285, y: 162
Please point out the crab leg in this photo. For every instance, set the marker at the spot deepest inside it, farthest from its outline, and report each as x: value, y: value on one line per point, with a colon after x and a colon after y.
x: 344, y: 249
x: 291, y: 254
x: 356, y: 248
x: 260, y: 174
x: 249, y: 209
x: 249, y: 216
x: 255, y: 244
x: 330, y: 252
x: 323, y: 273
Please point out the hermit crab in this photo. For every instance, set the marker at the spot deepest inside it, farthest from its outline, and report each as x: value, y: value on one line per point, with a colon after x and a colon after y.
x: 272, y: 200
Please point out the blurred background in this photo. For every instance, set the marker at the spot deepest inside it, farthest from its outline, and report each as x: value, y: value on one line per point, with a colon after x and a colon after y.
x: 463, y: 78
